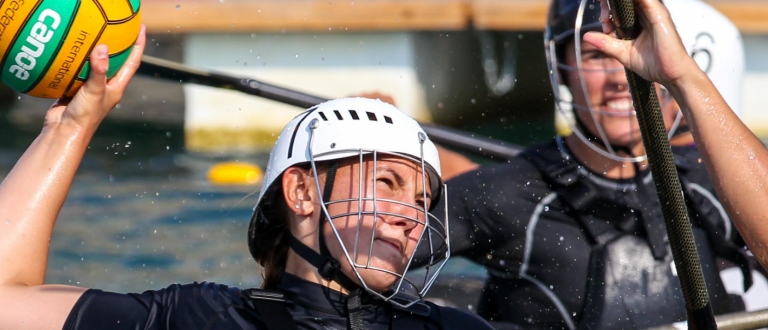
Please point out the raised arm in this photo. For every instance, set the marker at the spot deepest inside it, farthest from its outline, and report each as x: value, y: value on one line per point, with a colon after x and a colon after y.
x: 33, y: 192
x: 735, y: 158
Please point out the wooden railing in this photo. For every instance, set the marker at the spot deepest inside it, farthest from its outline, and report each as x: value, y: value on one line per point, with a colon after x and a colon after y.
x: 176, y: 16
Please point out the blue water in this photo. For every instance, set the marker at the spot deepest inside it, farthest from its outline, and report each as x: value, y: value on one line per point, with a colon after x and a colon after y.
x: 128, y: 232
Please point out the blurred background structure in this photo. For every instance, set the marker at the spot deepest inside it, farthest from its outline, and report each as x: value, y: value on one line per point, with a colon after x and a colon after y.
x: 472, y: 64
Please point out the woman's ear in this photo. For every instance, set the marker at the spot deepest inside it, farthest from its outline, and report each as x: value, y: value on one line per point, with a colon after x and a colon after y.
x: 296, y: 190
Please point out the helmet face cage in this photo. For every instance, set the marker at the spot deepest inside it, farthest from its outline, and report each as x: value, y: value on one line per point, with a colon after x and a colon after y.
x: 434, y: 233
x: 363, y: 130
x: 568, y: 20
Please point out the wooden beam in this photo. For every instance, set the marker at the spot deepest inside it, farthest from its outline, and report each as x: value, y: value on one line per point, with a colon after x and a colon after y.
x: 750, y: 16
x: 516, y: 15
x: 174, y: 16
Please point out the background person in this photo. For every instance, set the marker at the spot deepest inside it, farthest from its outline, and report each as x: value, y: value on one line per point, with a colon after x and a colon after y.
x: 556, y: 226
x: 733, y: 155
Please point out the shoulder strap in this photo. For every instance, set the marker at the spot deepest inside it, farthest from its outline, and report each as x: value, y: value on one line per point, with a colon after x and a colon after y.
x: 271, y: 306
x: 549, y: 160
x: 686, y: 158
x: 722, y: 247
x: 561, y: 173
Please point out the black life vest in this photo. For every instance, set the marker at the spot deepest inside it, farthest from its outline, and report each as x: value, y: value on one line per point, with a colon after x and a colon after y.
x: 271, y: 306
x: 632, y: 280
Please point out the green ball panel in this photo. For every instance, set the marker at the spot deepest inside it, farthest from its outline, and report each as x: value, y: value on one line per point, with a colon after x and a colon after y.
x: 38, y: 43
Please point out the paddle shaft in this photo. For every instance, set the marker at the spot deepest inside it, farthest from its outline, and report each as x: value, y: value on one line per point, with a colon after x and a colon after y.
x: 666, y: 179
x: 449, y: 137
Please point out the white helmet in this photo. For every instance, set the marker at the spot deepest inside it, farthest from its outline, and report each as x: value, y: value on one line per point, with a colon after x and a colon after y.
x: 714, y: 42
x: 350, y: 128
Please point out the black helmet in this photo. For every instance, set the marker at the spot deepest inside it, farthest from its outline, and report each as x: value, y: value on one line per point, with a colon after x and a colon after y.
x: 562, y: 20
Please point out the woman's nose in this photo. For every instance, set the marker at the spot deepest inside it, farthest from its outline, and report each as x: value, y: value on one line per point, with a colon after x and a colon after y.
x: 406, y: 216
x: 618, y: 77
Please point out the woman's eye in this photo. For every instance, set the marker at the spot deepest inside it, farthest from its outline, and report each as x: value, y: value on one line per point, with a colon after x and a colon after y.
x: 596, y: 56
x: 386, y: 181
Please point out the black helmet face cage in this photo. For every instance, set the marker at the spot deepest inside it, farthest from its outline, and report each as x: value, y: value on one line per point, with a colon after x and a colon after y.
x: 435, y: 232
x: 584, y: 18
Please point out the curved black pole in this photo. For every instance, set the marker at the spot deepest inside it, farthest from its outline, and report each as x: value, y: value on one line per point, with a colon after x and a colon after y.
x: 449, y: 137
x: 665, y: 177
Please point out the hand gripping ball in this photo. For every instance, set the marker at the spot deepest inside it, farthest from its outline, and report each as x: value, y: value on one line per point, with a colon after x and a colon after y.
x: 45, y: 44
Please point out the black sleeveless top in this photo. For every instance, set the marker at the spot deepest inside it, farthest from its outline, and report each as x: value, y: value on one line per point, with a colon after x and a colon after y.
x: 216, y: 306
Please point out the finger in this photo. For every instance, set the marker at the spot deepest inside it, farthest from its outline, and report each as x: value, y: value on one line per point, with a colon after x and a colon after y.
x: 605, y: 17
x: 121, y: 79
x: 652, y: 12
x: 618, y: 49
x: 97, y: 78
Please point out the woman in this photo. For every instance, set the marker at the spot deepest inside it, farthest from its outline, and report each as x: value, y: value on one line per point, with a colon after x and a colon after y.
x: 732, y: 154
x: 571, y: 231
x: 348, y: 194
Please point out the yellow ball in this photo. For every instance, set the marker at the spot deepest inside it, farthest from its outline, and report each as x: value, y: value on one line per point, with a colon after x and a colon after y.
x: 45, y: 44
x: 235, y: 173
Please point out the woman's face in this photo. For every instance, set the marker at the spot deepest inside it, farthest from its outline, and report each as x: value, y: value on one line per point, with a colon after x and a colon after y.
x: 380, y: 236
x: 601, y: 89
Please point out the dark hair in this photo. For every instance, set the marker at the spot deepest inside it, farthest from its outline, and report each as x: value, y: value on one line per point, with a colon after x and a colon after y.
x: 270, y: 245
x: 273, y: 253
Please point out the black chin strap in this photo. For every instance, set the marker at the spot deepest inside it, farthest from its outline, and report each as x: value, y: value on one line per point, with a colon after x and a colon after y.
x: 328, y: 267
x: 591, y: 137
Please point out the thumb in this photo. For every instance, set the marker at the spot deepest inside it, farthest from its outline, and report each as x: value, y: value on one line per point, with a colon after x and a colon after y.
x: 616, y: 48
x: 97, y: 78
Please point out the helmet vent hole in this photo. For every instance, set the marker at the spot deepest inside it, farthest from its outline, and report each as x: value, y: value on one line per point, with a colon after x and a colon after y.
x: 354, y: 115
x: 338, y: 115
x: 388, y: 120
x: 371, y: 116
x: 322, y: 115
